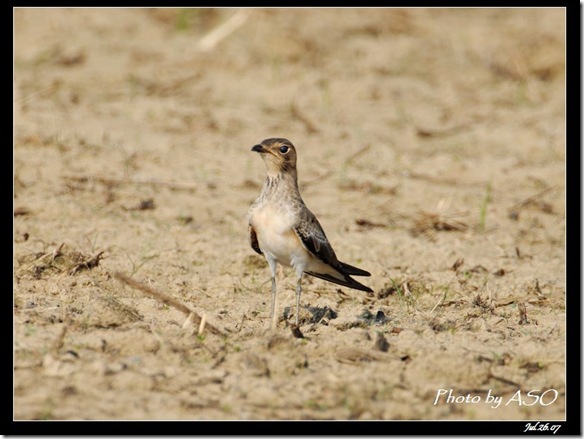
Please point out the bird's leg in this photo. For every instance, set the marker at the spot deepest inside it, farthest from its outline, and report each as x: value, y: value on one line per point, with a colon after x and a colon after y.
x: 298, y: 293
x: 273, y: 269
x: 273, y: 311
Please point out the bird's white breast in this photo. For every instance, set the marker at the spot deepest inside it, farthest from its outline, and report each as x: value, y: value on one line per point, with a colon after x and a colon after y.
x: 276, y: 237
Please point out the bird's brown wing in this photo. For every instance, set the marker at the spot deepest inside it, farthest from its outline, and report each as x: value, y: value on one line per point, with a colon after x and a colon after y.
x: 312, y: 236
x: 253, y: 240
x: 310, y: 233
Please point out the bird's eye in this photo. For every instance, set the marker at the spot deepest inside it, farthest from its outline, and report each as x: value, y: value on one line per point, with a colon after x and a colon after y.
x: 284, y: 149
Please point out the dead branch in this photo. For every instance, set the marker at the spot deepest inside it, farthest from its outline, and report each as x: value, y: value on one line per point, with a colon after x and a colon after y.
x: 530, y: 200
x: 222, y: 31
x: 87, y: 264
x: 18, y: 211
x: 357, y: 154
x: 167, y: 300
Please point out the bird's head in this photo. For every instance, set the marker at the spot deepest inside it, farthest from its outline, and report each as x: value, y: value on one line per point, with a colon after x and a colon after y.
x: 279, y: 155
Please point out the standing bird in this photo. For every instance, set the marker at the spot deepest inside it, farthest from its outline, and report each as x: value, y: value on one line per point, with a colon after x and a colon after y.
x: 283, y: 229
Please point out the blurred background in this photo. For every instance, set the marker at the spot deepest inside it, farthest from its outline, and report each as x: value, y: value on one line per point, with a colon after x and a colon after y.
x: 431, y: 146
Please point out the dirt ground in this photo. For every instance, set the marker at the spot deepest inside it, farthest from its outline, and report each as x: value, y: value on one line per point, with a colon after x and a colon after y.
x: 431, y: 147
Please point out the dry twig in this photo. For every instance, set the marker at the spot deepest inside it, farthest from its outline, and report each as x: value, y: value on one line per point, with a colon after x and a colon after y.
x: 357, y: 154
x: 167, y: 300
x: 18, y: 211
x: 428, y: 223
x: 87, y: 264
x: 515, y: 209
x: 222, y: 31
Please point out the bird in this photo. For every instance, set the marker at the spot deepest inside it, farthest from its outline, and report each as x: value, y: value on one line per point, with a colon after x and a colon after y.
x: 286, y: 232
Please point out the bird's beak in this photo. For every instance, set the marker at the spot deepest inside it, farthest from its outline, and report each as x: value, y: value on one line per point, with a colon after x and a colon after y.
x: 258, y: 148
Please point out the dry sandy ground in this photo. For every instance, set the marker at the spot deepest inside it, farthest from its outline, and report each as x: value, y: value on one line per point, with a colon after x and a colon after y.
x: 431, y: 147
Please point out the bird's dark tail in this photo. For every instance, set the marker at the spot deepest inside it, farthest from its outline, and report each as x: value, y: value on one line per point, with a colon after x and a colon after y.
x: 353, y: 271
x: 346, y: 280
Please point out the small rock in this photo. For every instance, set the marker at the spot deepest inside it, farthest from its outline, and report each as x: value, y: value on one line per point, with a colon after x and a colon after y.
x: 381, y: 343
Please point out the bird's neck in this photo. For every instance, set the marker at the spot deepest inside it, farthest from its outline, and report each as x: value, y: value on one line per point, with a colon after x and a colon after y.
x: 286, y: 182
